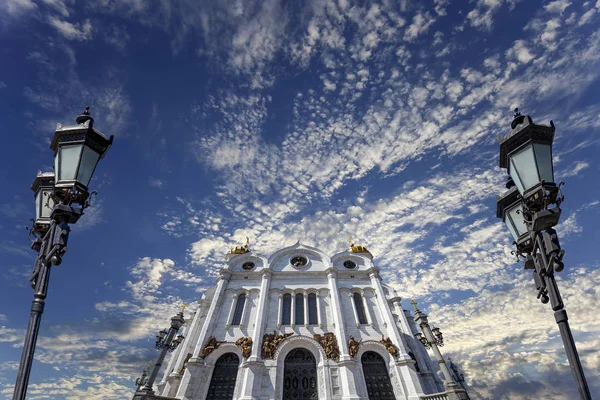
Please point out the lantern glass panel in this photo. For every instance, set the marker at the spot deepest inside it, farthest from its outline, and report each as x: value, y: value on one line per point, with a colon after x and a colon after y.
x: 523, y: 169
x: 47, y: 202
x: 68, y: 162
x: 38, y: 204
x: 543, y: 159
x: 515, y: 221
x: 89, y: 160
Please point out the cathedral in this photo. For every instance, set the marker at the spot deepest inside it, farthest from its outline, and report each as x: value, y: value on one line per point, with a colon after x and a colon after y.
x: 301, y: 324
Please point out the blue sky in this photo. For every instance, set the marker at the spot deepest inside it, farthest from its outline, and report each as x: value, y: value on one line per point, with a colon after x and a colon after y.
x: 298, y: 120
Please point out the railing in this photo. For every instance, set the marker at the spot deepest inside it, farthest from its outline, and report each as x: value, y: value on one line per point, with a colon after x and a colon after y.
x: 435, y: 396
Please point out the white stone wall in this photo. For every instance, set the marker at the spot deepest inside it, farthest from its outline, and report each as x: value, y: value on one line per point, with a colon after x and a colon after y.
x: 269, y: 280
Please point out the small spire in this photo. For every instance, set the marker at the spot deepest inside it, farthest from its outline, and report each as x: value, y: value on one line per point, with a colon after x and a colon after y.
x: 518, y: 118
x: 85, y: 116
x: 183, y: 306
x: 414, y: 304
x: 517, y: 113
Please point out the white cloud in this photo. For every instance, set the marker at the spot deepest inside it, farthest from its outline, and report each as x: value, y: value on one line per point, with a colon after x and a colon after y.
x: 420, y: 24
x: 520, y: 52
x: 557, y: 6
x: 586, y: 17
x: 79, y: 31
x: 15, y: 8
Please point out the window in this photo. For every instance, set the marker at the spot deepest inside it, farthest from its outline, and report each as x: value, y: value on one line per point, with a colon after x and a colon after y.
x: 299, y: 311
x: 312, y: 309
x: 239, y: 309
x: 360, y: 309
x: 286, y: 311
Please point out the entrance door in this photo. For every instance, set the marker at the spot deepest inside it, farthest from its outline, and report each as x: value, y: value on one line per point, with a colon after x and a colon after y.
x: 300, y: 376
x: 223, y: 379
x: 377, y: 378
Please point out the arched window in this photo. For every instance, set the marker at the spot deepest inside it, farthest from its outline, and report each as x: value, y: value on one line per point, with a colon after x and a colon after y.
x: 360, y: 309
x: 239, y: 310
x: 222, y: 383
x: 299, y: 311
x: 286, y: 312
x: 312, y: 309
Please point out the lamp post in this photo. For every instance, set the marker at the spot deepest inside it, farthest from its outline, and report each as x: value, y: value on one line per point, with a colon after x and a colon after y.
x: 141, y: 381
x: 531, y: 209
x: 460, y: 378
x: 60, y: 198
x: 166, y: 342
x: 431, y: 338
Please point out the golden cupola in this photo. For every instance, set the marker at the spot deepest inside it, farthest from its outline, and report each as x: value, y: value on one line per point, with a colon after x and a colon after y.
x: 356, y: 248
x: 241, y: 249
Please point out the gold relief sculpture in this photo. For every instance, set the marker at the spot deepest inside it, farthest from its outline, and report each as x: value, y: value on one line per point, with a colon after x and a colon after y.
x: 245, y: 343
x: 329, y: 343
x: 353, y: 346
x: 389, y: 346
x: 270, y: 343
x: 187, y: 358
x: 211, y: 345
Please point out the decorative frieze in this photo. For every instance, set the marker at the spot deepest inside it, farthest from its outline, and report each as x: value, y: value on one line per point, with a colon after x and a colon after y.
x: 270, y: 343
x: 353, y: 346
x: 329, y: 343
x: 245, y: 343
x: 391, y: 348
x: 211, y: 345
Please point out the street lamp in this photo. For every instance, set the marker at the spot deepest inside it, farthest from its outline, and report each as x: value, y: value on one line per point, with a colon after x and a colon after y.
x: 166, y: 342
x: 60, y: 198
x: 530, y: 209
x: 431, y: 338
x: 141, y: 381
x: 460, y: 378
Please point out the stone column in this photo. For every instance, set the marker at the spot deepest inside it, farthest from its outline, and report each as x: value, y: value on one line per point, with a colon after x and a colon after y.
x: 351, y: 296
x: 261, y: 313
x: 347, y: 364
x: 194, y: 366
x: 279, y: 309
x: 319, y: 321
x: 293, y: 310
x: 370, y: 319
x: 231, y: 310
x: 405, y: 372
x: 252, y: 369
x: 305, y: 309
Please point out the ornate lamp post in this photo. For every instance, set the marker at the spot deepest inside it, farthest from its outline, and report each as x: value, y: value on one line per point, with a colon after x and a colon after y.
x: 530, y: 209
x: 60, y: 198
x: 460, y: 378
x: 141, y: 381
x: 431, y: 338
x: 166, y: 342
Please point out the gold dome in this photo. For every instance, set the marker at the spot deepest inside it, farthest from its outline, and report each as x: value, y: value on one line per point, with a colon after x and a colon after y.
x: 241, y: 249
x: 356, y: 248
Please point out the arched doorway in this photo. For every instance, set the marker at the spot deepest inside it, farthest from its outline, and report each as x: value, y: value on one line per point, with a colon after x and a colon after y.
x: 300, y: 376
x: 377, y: 378
x: 222, y: 383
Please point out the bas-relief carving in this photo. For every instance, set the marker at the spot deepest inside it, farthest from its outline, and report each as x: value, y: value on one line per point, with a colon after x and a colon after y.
x: 353, y: 346
x: 245, y: 343
x: 184, y: 367
x: 391, y: 348
x: 211, y: 345
x: 270, y: 343
x: 329, y: 343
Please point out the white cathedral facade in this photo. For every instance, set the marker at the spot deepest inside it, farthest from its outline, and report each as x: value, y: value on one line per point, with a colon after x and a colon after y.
x: 301, y: 325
